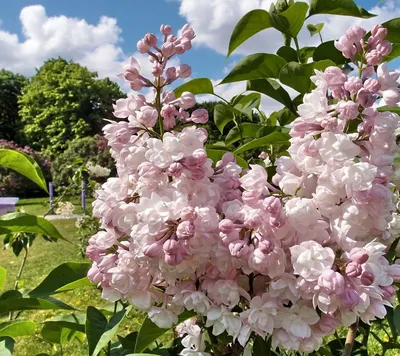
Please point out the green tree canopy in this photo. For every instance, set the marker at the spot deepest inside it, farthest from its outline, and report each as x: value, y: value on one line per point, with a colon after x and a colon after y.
x: 10, y: 89
x: 65, y: 101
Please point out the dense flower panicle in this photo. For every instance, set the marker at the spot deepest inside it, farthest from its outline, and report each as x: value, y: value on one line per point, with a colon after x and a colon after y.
x: 248, y: 252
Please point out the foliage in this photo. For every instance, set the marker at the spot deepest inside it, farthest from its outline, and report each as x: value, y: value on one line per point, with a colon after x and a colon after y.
x: 88, y: 149
x: 14, y: 184
x: 11, y: 88
x: 87, y: 226
x: 65, y: 101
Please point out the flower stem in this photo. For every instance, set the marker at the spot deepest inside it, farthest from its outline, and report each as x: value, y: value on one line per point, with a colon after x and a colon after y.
x: 21, y: 269
x: 351, y: 336
x: 296, y: 42
x: 158, y: 107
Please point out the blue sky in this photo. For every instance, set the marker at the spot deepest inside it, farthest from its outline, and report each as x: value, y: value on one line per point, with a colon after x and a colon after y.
x: 54, y: 28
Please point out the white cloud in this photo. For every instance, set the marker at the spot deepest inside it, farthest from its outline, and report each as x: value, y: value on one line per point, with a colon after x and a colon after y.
x: 95, y: 46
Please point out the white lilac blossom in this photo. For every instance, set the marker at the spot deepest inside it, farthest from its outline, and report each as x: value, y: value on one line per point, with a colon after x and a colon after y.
x: 293, y: 256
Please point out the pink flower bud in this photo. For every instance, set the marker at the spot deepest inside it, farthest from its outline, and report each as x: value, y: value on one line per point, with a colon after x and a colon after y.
x: 171, y: 247
x: 183, y: 115
x: 183, y: 71
x: 391, y: 96
x: 166, y: 29
x: 348, y: 110
x: 168, y: 49
x: 200, y: 155
x: 379, y: 32
x: 353, y: 269
x: 239, y: 249
x: 384, y: 48
x: 188, y: 214
x: 327, y: 323
x: 150, y: 39
x: 173, y: 260
x: 148, y: 170
x: 373, y: 57
x: 199, y: 116
x: 175, y: 169
x: 388, y: 292
x: 152, y: 250
x: 368, y: 72
x: 273, y: 205
x: 365, y: 98
x: 168, y: 96
x: 226, y: 239
x: 353, y: 84
x: 367, y: 278
x: 331, y: 282
x: 169, y: 123
x: 266, y: 246
x: 171, y: 73
x: 186, y: 100
x: 358, y: 255
x: 185, y: 230
x: 147, y: 116
x: 188, y: 32
x: 394, y: 272
x: 372, y: 85
x: 226, y: 226
x: 350, y: 298
x: 334, y: 77
x: 157, y: 70
x: 143, y: 46
x: 136, y: 85
x: 198, y: 173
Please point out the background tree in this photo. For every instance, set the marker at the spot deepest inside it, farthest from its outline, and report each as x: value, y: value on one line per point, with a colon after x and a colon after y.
x: 65, y: 101
x: 11, y: 85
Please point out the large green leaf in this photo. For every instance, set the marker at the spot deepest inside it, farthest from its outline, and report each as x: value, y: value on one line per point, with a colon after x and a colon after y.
x: 223, y: 114
x: 288, y: 53
x: 338, y: 7
x: 3, y: 275
x: 254, y: 66
x: 250, y: 24
x: 327, y: 50
x: 261, y: 347
x: 73, y: 321
x: 14, y: 304
x: 273, y: 138
x: 67, y: 276
x: 295, y: 16
x: 6, y: 346
x: 17, y: 328
x: 305, y: 53
x: 298, y: 75
x: 396, y: 318
x: 393, y: 27
x: 57, y: 334
x: 394, y: 54
x: 21, y: 222
x: 149, y: 332
x: 246, y: 103
x: 99, y: 331
x: 271, y: 88
x: 195, y: 86
x: 216, y: 154
x: 248, y: 130
x: 23, y: 164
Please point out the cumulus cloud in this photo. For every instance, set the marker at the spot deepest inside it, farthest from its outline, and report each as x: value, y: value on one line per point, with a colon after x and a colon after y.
x: 95, y: 46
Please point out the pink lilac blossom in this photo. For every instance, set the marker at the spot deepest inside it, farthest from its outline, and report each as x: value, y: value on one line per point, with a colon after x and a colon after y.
x: 248, y: 255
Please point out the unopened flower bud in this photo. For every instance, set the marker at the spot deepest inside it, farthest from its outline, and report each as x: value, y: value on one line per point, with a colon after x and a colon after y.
x: 199, y: 116
x: 150, y: 39
x: 171, y: 73
x: 391, y: 96
x: 379, y: 32
x: 226, y: 226
x: 166, y: 30
x: 353, y: 84
x: 188, y: 213
x: 353, y: 269
x: 384, y: 48
x: 186, y: 100
x: 143, y: 47
x: 168, y: 49
x: 171, y: 247
x: 152, y: 250
x: 136, y: 85
x: 367, y: 278
x: 358, y: 255
x: 157, y: 70
x: 327, y: 323
x: 266, y: 246
x: 175, y: 169
x: 372, y: 85
x: 200, y: 155
x: 331, y: 282
x: 373, y: 57
x: 388, y: 292
x: 185, y: 230
x: 350, y: 298
x: 173, y: 260
x: 183, y: 71
x: 238, y: 249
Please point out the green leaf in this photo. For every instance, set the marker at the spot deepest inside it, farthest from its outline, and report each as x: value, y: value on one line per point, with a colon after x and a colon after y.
x: 254, y: 66
x: 305, y: 53
x: 394, y: 54
x: 17, y: 328
x: 315, y: 29
x: 271, y: 88
x: 396, y: 318
x: 222, y: 116
x: 395, y: 109
x: 285, y: 116
x: 298, y: 75
x: 99, y: 331
x: 216, y: 155
x: 295, y: 16
x: 195, y: 86
x: 3, y: 275
x: 248, y: 130
x: 327, y: 50
x: 246, y: 103
x: 261, y: 347
x: 23, y: 164
x: 338, y: 7
x: 149, y: 332
x: 6, y: 346
x: 21, y: 222
x: 67, y: 276
x: 393, y: 27
x: 288, y: 53
x: 56, y: 334
x: 273, y: 138
x: 13, y: 304
x: 73, y: 321
x: 250, y: 24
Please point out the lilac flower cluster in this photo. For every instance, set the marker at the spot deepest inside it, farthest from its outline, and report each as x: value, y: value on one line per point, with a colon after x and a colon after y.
x: 247, y: 255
